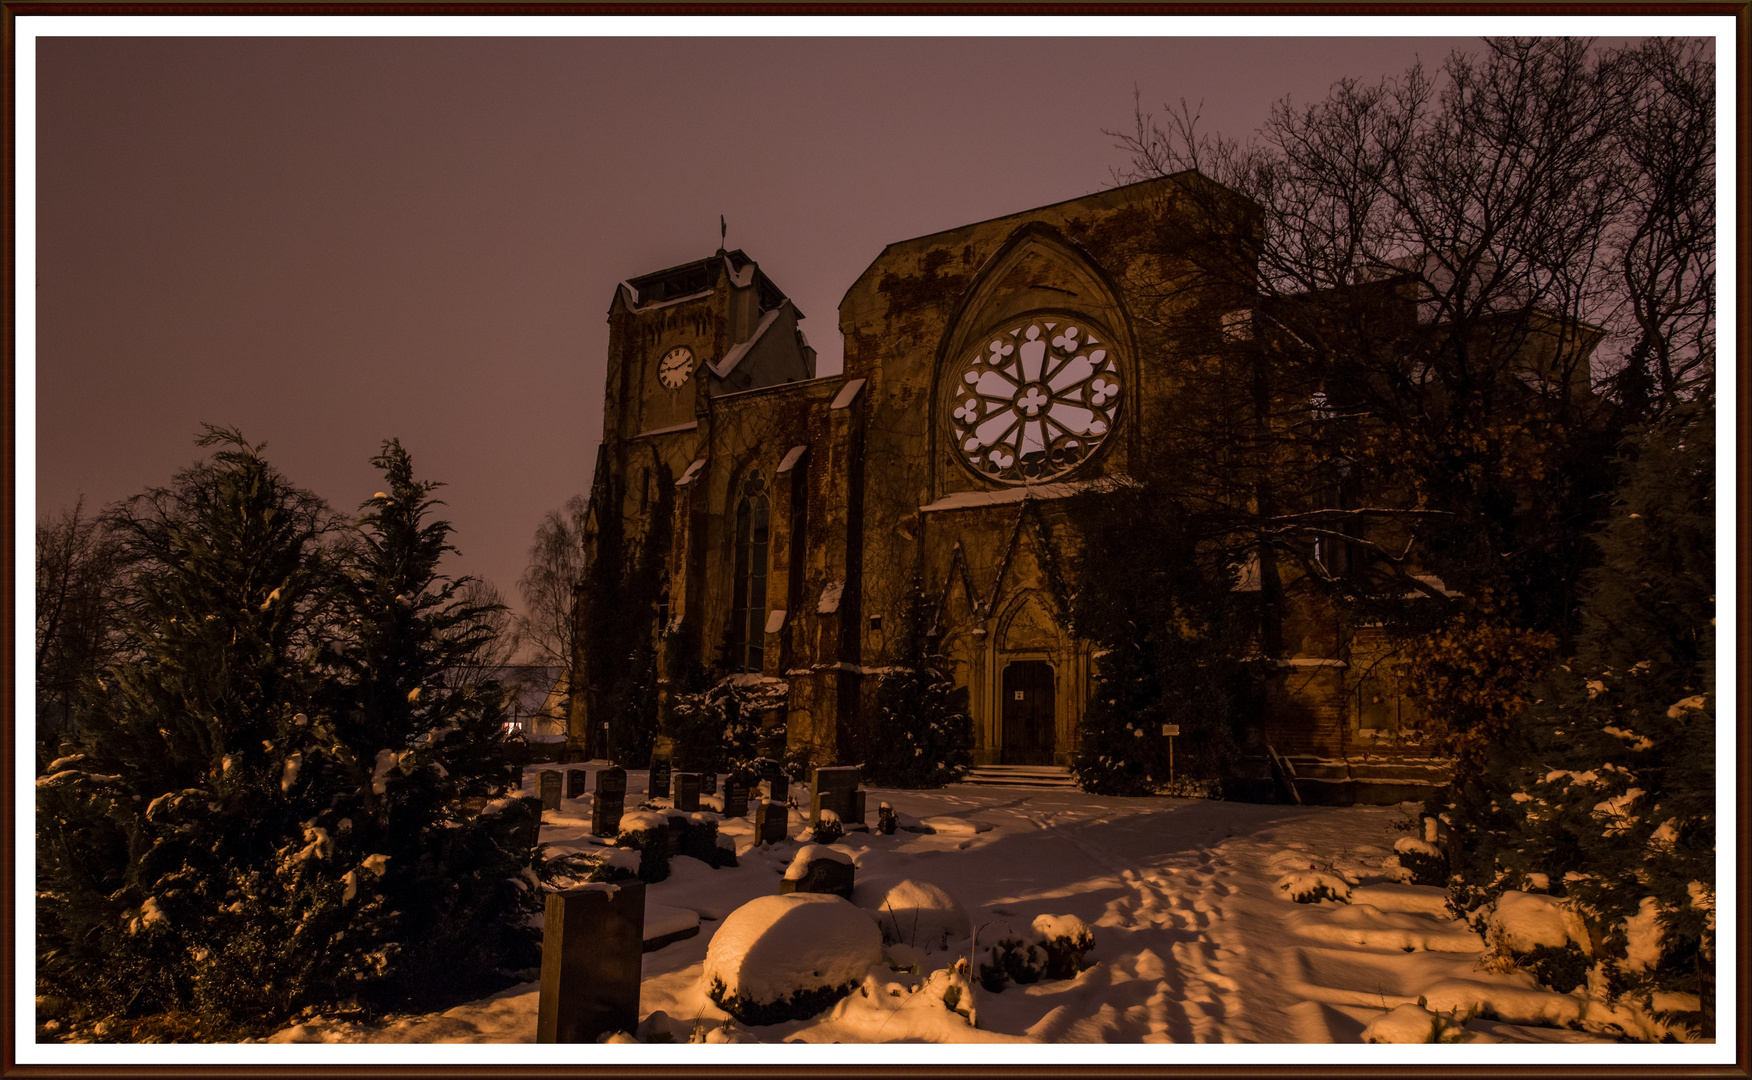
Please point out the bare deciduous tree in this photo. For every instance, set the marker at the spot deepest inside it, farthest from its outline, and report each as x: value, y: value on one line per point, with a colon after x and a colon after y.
x: 556, y: 567
x: 77, y: 622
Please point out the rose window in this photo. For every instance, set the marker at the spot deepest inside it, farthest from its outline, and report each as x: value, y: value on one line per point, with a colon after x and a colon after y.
x: 1034, y: 400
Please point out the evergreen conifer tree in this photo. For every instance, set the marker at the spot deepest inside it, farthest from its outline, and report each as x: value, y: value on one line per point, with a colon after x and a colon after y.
x: 1604, y: 792
x: 922, y: 733
x: 1175, y: 642
x: 158, y: 839
x: 265, y: 812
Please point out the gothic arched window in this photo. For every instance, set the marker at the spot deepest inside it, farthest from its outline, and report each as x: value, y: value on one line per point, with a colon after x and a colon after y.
x: 748, y: 610
x: 1034, y: 400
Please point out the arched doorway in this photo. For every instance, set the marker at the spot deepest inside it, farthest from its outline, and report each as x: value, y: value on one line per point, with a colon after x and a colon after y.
x: 1029, y: 724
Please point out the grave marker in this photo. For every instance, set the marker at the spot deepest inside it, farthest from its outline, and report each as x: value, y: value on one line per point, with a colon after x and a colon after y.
x: 735, y: 796
x: 678, y: 828
x: 709, y: 783
x: 658, y: 785
x: 771, y: 822
x: 610, y: 802
x: 575, y: 779
x: 836, y: 788
x: 687, y: 791
x: 591, y: 948
x: 550, y: 789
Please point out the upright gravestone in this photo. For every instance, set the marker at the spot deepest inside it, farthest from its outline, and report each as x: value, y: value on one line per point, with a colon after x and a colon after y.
x: 575, y: 779
x: 708, y: 783
x: 687, y: 791
x: 778, y: 785
x: 550, y: 789
x: 679, y: 825
x: 610, y: 802
x: 771, y: 822
x: 836, y: 788
x: 658, y: 786
x: 735, y: 796
x: 593, y: 940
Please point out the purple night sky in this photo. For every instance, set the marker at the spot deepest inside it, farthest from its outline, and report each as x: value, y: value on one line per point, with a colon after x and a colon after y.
x: 331, y: 241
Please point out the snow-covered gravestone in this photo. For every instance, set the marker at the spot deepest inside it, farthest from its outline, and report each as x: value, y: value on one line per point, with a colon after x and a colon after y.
x: 779, y: 958
x: 550, y: 789
x: 818, y: 869
x: 735, y: 796
x: 592, y: 941
x: 658, y: 785
x: 575, y: 779
x: 771, y: 822
x: 687, y: 791
x: 836, y: 788
x: 679, y: 824
x: 610, y: 801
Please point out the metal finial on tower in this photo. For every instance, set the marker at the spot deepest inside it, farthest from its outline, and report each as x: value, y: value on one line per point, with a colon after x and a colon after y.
x: 723, y: 232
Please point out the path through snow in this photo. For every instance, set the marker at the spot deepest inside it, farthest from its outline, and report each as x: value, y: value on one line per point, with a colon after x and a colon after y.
x: 1193, y: 942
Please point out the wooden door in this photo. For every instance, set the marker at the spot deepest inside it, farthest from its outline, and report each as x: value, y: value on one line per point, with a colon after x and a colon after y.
x: 1028, y: 713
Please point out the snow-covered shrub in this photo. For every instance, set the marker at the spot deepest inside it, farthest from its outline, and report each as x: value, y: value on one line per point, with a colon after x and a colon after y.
x: 1313, y: 886
x: 922, y: 915
x: 827, y: 828
x: 886, y: 821
x: 1017, y: 959
x: 922, y: 734
x: 647, y: 833
x: 269, y: 808
x: 701, y: 841
x: 720, y: 727
x: 779, y: 958
x: 1065, y: 938
x: 574, y: 868
x: 1422, y: 861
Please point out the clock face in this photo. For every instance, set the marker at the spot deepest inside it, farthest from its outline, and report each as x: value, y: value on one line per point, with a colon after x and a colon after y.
x: 676, y: 365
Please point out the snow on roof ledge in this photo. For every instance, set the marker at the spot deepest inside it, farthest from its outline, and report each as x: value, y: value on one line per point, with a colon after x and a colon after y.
x: 791, y: 457
x: 692, y: 471
x: 963, y: 500
x: 738, y: 351
x: 847, y: 394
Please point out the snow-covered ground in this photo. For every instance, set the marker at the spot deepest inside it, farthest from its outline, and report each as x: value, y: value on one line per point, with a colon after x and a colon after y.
x: 1194, y: 939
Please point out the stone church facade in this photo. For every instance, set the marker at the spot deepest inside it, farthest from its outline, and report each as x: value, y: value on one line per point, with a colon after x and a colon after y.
x: 991, y: 372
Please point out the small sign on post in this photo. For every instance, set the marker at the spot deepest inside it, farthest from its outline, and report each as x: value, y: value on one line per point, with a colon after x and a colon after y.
x: 1170, y: 730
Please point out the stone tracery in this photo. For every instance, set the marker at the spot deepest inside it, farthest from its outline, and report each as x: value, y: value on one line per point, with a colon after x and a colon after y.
x: 1034, y: 401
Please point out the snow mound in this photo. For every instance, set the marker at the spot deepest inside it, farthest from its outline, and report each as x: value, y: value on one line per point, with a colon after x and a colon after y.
x: 790, y: 956
x: 1412, y: 845
x: 1410, y: 899
x: 1524, y: 921
x: 642, y: 821
x: 1405, y: 1024
x: 1506, y: 1002
x: 922, y: 915
x: 1312, y: 886
x: 954, y: 826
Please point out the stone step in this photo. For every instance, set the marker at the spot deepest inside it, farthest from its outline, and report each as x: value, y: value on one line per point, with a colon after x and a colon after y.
x: 1041, y: 776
